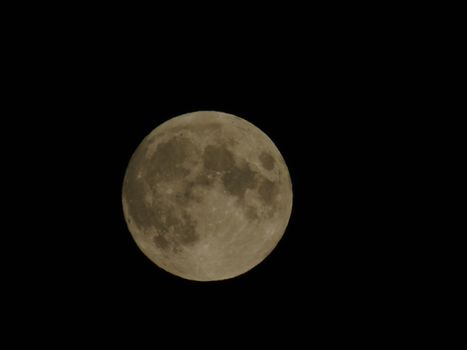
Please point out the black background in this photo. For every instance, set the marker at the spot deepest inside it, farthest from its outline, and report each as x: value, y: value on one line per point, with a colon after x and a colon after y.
x: 329, y: 262
x: 330, y: 104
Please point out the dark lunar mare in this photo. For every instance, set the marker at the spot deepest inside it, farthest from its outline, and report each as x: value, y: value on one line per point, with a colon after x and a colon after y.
x: 267, y: 161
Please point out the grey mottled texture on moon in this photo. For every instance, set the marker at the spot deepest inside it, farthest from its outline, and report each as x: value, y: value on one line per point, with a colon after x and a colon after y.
x: 207, y: 196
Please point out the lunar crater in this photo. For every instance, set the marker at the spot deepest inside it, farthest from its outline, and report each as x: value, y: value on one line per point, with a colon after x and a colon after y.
x: 196, y: 130
x: 267, y: 161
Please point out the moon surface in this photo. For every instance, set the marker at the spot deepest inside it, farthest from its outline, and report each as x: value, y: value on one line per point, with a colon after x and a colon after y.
x: 207, y: 196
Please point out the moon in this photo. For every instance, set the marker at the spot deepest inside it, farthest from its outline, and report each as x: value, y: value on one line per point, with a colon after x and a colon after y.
x: 207, y: 196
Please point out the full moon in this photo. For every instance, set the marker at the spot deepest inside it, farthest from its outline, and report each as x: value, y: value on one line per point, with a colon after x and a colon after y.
x: 207, y: 196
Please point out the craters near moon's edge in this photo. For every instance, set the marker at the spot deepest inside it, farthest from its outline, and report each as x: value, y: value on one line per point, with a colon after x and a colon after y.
x: 170, y: 227
x: 267, y: 160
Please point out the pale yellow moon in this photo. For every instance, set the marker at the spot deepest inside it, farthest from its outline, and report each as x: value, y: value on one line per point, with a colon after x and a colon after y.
x: 207, y: 196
